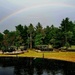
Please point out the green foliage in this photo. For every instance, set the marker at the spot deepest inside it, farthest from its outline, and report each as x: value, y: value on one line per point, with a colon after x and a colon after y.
x: 1, y: 37
x: 38, y: 28
x: 31, y: 36
x: 47, y: 35
x: 30, y: 32
x: 6, y: 31
x: 30, y: 29
x: 67, y: 31
x: 19, y: 28
x: 38, y: 39
x: 25, y: 35
x: 40, y: 34
x: 67, y: 45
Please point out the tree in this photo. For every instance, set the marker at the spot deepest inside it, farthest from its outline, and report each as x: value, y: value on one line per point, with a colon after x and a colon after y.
x: 6, y: 39
x: 73, y: 37
x: 11, y: 36
x: 1, y: 39
x: 66, y: 29
x: 56, y: 37
x: 39, y: 36
x: 6, y: 31
x: 18, y: 39
x: 48, y: 35
x: 19, y: 28
x: 19, y: 35
x: 39, y: 28
x: 30, y: 36
x: 38, y: 39
x: 25, y: 35
x: 30, y: 32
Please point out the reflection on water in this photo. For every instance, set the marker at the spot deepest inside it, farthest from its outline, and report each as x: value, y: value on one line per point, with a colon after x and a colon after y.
x: 30, y: 66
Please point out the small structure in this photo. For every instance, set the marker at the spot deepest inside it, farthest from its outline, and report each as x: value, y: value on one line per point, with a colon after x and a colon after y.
x: 43, y: 48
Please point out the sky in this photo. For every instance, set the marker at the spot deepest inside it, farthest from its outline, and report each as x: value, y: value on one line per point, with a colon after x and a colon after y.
x: 47, y: 12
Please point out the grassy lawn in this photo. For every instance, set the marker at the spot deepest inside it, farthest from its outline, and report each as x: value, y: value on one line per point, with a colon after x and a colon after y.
x: 66, y: 56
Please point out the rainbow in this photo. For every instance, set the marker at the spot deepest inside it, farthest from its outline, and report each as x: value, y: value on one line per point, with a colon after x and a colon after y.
x: 34, y: 7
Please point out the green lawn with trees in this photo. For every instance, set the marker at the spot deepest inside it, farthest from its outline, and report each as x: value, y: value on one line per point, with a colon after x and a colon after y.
x: 30, y: 36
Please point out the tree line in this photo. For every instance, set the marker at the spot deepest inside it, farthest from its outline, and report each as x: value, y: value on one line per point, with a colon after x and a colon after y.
x: 31, y: 36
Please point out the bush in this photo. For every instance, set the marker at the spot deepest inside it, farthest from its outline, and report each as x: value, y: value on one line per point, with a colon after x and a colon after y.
x: 11, y: 49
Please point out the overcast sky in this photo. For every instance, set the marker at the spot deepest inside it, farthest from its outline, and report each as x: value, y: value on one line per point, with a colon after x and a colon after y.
x: 47, y: 12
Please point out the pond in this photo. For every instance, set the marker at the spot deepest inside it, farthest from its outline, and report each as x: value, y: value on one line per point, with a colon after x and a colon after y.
x: 35, y: 66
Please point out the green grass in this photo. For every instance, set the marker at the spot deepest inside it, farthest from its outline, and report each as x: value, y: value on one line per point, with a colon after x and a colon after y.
x: 66, y: 56
x: 72, y: 47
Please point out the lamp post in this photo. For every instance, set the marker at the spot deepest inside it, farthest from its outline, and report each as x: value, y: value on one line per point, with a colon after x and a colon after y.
x: 43, y: 54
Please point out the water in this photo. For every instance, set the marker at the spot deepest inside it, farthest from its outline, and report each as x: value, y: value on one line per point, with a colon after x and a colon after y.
x: 30, y: 66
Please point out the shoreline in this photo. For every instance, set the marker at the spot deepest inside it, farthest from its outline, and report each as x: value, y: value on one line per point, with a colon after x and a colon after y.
x: 64, y: 56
